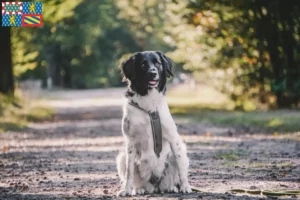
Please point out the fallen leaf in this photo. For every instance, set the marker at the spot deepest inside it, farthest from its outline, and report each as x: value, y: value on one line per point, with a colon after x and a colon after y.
x: 5, y: 149
x: 282, y: 185
x: 275, y: 134
x: 283, y: 173
x: 208, y: 134
x: 24, y: 187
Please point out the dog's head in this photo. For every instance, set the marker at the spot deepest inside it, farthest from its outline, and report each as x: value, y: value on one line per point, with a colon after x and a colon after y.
x: 147, y: 70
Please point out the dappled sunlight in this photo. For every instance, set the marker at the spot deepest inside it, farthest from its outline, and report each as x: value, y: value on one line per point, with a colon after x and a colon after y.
x: 201, y: 95
x: 81, y: 103
x: 76, y: 124
x: 275, y: 122
x: 293, y: 136
x: 82, y: 98
x: 73, y: 154
x: 39, y: 148
x: 91, y: 161
x: 259, y: 121
x: 92, y: 144
x: 86, y: 165
x: 194, y: 139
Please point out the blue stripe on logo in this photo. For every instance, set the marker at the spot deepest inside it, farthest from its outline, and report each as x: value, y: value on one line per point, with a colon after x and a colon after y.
x: 30, y: 20
x: 35, y: 17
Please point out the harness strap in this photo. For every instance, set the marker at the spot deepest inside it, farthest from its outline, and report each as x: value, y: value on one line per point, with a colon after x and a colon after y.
x: 156, y: 128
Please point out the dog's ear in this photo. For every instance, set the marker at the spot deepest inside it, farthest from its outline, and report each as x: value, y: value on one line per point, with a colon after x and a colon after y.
x: 127, y: 68
x: 167, y: 64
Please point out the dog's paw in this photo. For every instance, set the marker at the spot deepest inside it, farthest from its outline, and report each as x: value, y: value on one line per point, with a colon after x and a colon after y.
x: 140, y: 191
x: 173, y: 189
x: 124, y: 192
x: 149, y: 188
x: 185, y: 188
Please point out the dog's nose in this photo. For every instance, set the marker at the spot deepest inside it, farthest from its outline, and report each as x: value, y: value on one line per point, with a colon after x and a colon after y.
x: 153, y: 74
x: 152, y: 69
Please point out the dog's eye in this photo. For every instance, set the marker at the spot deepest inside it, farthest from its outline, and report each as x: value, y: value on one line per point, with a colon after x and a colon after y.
x: 157, y: 64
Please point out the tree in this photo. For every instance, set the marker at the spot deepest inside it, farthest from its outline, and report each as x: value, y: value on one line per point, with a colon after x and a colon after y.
x: 277, y: 24
x: 249, y: 48
x: 79, y: 44
x: 6, y: 67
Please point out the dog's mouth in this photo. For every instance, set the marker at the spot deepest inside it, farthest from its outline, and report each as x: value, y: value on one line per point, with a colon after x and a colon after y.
x: 153, y: 82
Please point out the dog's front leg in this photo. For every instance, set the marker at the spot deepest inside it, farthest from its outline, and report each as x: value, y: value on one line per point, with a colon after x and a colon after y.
x: 179, y: 150
x: 129, y: 173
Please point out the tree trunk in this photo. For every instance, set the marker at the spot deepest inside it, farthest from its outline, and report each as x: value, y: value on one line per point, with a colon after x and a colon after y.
x: 67, y: 77
x: 267, y: 31
x: 6, y: 68
x: 48, y: 58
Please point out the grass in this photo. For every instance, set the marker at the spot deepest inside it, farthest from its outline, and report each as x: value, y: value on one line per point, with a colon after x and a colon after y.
x: 280, y: 120
x: 229, y: 156
x: 233, y: 155
x: 16, y: 113
x: 216, y: 109
x: 254, y: 166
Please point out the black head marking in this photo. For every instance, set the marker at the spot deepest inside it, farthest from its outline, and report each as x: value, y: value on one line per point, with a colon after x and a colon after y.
x: 127, y: 68
x: 143, y: 69
x: 167, y: 64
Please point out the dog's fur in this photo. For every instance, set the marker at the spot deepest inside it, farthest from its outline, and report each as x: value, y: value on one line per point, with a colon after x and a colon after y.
x: 139, y: 169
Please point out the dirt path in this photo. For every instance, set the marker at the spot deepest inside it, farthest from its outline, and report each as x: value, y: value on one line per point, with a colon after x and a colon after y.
x: 73, y: 155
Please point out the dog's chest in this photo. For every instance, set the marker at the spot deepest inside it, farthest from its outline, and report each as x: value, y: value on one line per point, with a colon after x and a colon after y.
x: 143, y: 135
x: 141, y: 125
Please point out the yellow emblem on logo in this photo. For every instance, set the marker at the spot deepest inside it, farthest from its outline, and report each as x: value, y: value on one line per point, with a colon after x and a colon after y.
x: 32, y: 8
x: 12, y: 20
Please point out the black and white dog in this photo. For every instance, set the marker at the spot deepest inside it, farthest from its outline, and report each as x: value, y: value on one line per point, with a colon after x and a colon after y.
x: 139, y: 167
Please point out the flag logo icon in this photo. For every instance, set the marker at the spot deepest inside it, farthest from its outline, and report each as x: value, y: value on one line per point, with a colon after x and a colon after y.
x: 11, y: 20
x: 32, y: 20
x: 32, y: 7
x: 12, y: 8
x: 22, y: 13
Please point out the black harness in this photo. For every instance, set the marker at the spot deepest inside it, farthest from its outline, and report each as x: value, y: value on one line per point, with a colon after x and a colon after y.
x: 156, y: 128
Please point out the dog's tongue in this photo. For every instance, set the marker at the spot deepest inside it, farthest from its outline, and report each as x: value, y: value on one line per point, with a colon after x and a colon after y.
x: 152, y: 82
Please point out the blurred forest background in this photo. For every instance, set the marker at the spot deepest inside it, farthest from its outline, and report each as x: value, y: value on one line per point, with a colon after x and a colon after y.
x: 235, y: 96
x: 248, y: 50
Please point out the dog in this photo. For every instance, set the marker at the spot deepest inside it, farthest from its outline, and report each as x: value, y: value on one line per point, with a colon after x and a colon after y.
x: 140, y: 169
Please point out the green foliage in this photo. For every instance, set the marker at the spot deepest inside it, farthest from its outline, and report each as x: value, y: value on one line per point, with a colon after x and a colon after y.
x: 281, y: 120
x: 249, y: 50
x: 231, y: 156
x: 16, y: 113
x: 207, y: 106
x: 79, y: 43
